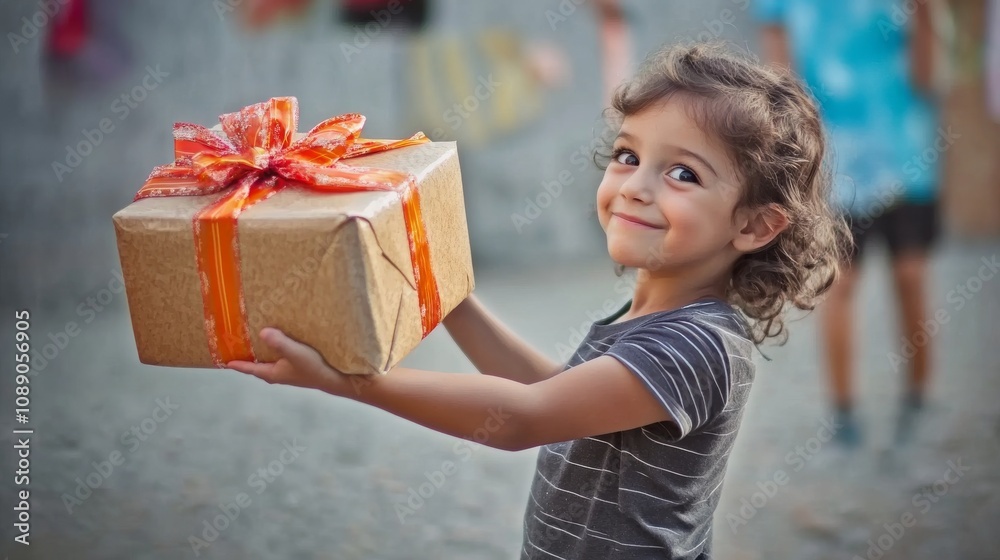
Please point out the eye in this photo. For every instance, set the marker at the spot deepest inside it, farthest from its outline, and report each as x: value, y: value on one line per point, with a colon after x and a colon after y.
x: 683, y: 174
x: 625, y: 157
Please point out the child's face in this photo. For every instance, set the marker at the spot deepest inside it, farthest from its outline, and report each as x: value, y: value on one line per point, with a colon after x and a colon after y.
x: 667, y: 173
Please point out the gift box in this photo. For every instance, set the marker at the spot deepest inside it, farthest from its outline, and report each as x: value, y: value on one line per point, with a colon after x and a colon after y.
x: 356, y: 247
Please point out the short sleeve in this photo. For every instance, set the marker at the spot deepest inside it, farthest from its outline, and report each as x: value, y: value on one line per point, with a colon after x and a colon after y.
x: 684, y: 364
x: 769, y: 11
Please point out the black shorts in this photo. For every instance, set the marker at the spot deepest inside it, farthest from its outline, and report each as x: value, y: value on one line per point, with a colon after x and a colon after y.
x: 905, y: 227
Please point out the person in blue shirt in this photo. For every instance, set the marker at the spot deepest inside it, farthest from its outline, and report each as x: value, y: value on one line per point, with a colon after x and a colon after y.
x: 871, y: 66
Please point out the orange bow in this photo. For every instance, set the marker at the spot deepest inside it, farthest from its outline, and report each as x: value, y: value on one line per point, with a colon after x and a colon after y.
x: 255, y: 157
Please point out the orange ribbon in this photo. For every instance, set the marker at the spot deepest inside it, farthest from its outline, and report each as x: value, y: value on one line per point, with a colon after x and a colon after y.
x: 254, y: 158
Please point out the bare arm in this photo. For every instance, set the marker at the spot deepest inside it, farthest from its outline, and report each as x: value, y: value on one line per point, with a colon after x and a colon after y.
x: 493, y: 348
x: 774, y: 44
x: 616, y: 46
x: 922, y: 45
x: 596, y: 397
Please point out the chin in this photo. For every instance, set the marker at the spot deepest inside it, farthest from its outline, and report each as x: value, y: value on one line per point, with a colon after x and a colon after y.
x: 649, y: 257
x: 627, y: 254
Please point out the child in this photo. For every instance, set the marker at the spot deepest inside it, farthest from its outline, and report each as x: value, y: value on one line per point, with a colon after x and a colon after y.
x: 716, y: 193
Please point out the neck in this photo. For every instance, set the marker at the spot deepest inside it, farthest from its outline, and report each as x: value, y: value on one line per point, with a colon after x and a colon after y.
x: 665, y: 290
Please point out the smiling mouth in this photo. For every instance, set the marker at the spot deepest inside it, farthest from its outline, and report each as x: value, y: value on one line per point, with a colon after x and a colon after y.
x: 634, y: 221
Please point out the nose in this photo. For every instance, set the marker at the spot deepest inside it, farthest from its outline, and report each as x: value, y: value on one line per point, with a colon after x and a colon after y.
x: 636, y: 187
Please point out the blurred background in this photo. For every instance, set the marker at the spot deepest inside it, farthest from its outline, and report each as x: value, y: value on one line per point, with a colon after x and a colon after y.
x: 520, y: 85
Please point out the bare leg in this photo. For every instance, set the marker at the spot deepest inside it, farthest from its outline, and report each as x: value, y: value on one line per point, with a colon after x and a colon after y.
x: 838, y: 330
x: 909, y: 271
x: 838, y: 323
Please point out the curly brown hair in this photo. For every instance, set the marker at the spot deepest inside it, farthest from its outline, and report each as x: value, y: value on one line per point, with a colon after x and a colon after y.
x: 771, y: 126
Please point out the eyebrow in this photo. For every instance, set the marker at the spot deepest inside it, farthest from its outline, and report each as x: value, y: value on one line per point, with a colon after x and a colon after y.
x: 630, y: 137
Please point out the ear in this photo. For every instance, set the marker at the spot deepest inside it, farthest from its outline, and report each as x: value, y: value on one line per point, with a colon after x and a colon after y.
x: 761, y: 226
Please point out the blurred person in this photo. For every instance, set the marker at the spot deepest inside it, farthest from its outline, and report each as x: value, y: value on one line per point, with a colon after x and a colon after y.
x: 69, y: 29
x: 715, y: 193
x: 874, y: 67
x: 992, y: 76
x: 993, y: 58
x: 411, y: 15
x: 81, y: 45
x: 616, y: 46
x: 257, y: 14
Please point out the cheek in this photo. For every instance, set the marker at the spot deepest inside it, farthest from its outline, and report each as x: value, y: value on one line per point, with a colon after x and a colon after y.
x: 605, y: 194
x: 695, y: 220
x: 680, y: 211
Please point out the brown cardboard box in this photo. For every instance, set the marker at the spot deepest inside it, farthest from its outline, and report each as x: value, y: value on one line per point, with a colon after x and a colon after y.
x: 331, y: 270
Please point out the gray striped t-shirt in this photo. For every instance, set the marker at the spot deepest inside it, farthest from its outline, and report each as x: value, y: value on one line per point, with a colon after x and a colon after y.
x: 649, y: 492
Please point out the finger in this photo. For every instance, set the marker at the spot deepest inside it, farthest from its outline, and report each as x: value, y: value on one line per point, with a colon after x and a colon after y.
x: 265, y: 371
x: 293, y: 350
x: 276, y: 339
